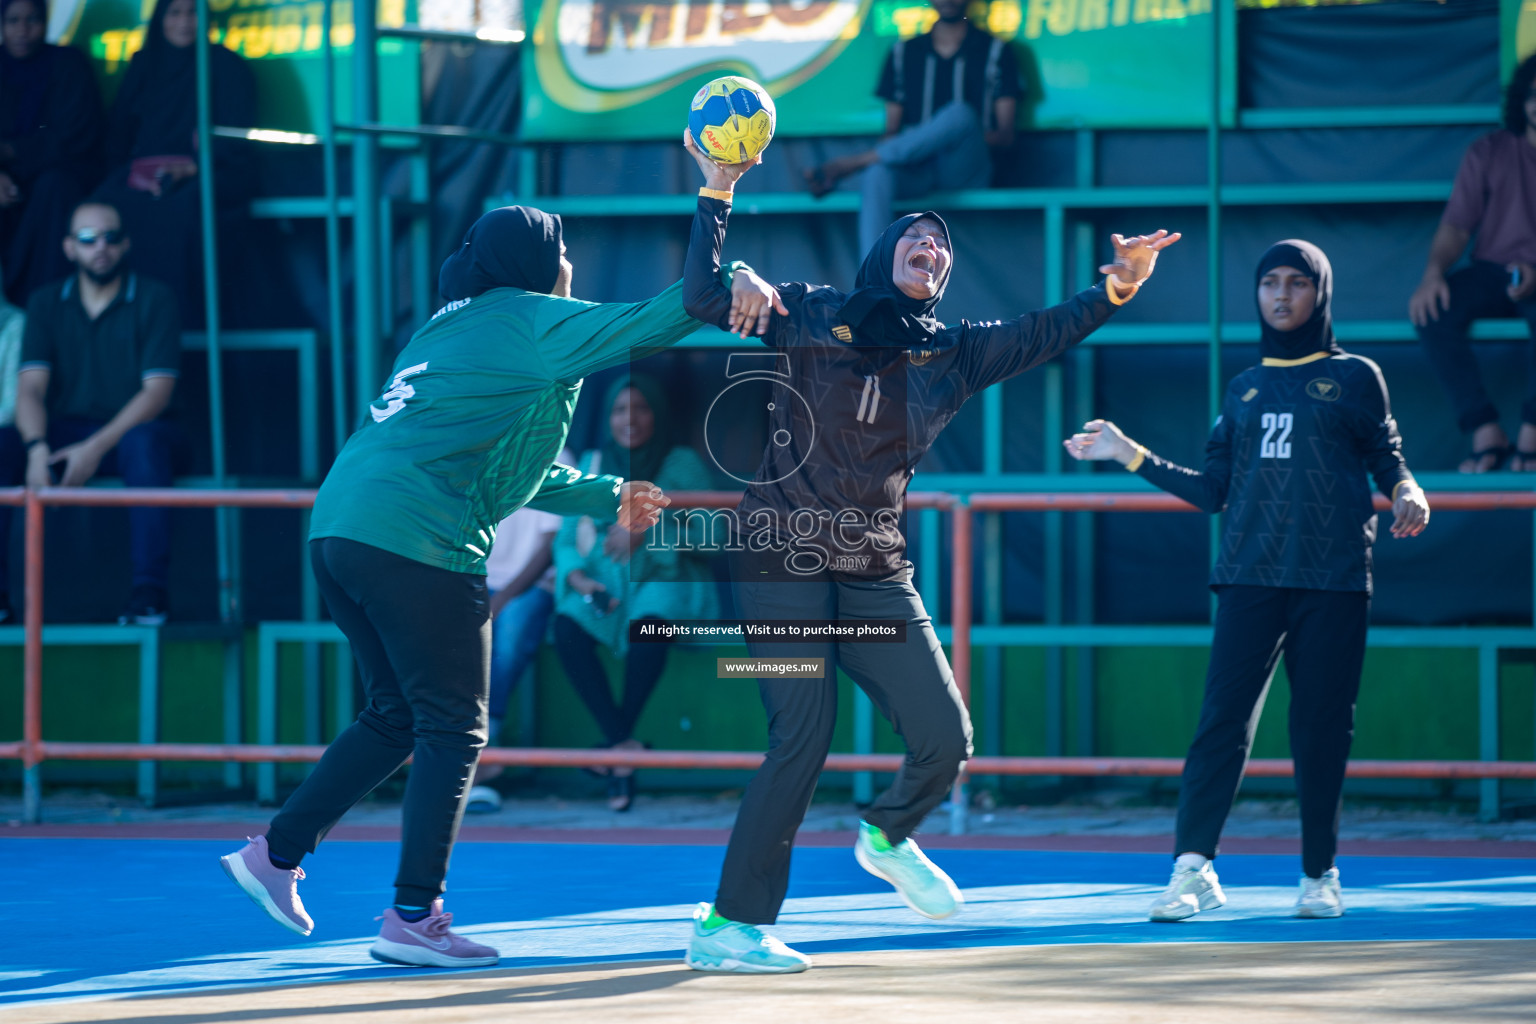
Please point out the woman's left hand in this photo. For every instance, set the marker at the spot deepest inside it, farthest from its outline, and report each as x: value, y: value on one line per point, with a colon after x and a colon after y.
x: 1410, y: 512
x: 753, y: 302
x: 1136, y: 256
x: 640, y: 505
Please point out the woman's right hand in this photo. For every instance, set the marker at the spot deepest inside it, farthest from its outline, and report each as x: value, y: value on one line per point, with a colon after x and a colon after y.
x: 717, y: 176
x: 753, y: 302
x: 1099, y: 441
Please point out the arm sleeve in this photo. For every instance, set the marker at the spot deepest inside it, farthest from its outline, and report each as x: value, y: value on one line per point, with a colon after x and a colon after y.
x: 995, y: 351
x: 37, y: 337
x: 706, y: 285
x: 1376, y: 437
x: 886, y: 87
x: 577, y: 338
x: 569, y: 492
x: 72, y: 119
x: 1206, y: 490
x: 1468, y: 204
x: 123, y: 121
x: 162, y: 335
x: 1009, y: 84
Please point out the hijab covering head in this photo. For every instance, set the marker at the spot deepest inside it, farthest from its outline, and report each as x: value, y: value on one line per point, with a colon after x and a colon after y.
x: 511, y: 247
x: 24, y: 83
x: 1316, y: 335
x: 643, y: 462
x: 882, y: 311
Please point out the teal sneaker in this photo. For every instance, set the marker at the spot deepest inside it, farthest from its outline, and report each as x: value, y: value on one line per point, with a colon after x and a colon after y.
x: 736, y: 948
x: 918, y: 881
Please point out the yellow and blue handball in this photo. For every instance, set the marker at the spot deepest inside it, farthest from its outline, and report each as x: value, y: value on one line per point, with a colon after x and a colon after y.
x: 732, y: 119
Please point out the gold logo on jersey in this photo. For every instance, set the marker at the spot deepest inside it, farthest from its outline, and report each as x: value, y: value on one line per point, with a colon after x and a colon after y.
x: 842, y: 332
x: 1324, y: 390
x: 1251, y: 395
x: 919, y: 356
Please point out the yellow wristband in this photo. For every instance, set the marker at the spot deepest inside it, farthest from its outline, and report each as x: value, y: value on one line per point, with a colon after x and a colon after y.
x: 714, y: 193
x: 1400, y: 485
x: 1135, y: 464
x: 1119, y: 293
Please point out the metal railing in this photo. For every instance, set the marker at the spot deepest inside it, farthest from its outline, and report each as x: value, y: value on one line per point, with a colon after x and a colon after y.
x: 32, y: 749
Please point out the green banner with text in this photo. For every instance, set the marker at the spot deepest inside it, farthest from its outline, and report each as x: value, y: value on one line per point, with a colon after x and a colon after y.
x: 626, y: 69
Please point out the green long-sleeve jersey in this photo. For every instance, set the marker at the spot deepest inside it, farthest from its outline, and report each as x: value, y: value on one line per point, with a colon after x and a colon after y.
x: 476, y: 409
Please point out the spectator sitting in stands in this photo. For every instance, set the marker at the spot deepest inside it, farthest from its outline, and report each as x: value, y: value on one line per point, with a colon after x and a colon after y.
x: 607, y: 577
x: 520, y: 574
x: 50, y: 134
x: 1495, y: 198
x: 949, y: 95
x: 99, y: 362
x: 155, y: 154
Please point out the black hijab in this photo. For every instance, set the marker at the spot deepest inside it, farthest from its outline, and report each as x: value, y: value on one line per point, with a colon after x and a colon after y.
x: 24, y: 83
x: 511, y: 247
x: 879, y: 309
x: 1316, y: 335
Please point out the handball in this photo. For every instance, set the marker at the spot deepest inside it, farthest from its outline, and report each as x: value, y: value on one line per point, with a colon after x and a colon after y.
x: 731, y: 119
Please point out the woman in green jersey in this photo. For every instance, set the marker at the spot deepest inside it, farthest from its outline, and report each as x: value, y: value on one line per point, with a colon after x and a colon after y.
x: 466, y: 431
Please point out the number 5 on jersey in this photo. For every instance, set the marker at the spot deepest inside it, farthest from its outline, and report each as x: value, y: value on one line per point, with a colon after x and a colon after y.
x: 397, y: 394
x: 1273, y: 447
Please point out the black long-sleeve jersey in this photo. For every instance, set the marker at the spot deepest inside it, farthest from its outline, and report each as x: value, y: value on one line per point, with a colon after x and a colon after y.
x: 851, y: 416
x: 1290, y: 461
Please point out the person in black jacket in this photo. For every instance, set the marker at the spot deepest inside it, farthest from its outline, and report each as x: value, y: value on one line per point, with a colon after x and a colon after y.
x: 1289, y: 460
x: 50, y: 137
x: 155, y: 154
x: 872, y: 377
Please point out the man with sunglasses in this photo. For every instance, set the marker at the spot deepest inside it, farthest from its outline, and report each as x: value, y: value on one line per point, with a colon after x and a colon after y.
x: 99, y: 362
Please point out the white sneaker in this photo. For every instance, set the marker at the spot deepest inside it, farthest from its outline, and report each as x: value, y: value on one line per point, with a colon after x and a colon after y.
x: 1320, y: 897
x: 1189, y: 891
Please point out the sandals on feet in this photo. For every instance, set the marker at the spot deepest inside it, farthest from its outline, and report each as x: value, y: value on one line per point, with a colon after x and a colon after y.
x: 621, y: 792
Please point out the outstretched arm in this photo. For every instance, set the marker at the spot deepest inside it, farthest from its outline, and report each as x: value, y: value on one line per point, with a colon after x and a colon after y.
x: 995, y: 351
x: 1101, y: 440
x: 746, y: 307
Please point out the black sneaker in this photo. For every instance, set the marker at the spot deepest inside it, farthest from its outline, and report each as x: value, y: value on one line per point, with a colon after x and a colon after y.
x: 146, y: 607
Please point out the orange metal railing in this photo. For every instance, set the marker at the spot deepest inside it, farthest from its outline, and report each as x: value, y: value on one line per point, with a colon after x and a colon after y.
x: 32, y: 749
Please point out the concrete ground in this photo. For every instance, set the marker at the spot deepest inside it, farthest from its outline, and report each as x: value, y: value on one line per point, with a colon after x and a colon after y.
x: 1193, y: 983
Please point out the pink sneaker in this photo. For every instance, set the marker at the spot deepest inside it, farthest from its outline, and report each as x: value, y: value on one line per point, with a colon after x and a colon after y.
x: 271, y: 888
x: 428, y: 942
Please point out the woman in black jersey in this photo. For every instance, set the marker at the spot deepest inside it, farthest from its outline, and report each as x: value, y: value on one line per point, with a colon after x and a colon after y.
x: 1288, y: 461
x: 867, y: 381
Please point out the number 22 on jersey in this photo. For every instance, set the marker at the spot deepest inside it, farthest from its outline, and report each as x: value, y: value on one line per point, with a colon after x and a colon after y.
x: 397, y: 394
x: 1277, y: 435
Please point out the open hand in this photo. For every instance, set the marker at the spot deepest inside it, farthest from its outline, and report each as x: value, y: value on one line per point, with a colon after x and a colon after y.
x: 718, y: 176
x: 1099, y: 441
x: 1429, y: 299
x: 640, y: 504
x: 1136, y: 256
x: 1410, y: 511
x: 80, y: 463
x: 753, y: 302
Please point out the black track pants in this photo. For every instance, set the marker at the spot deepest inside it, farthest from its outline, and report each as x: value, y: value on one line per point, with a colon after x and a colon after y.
x: 909, y: 682
x: 422, y: 640
x: 1321, y: 633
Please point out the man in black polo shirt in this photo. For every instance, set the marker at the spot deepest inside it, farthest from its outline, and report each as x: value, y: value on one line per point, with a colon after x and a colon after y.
x: 949, y: 95
x: 98, y: 365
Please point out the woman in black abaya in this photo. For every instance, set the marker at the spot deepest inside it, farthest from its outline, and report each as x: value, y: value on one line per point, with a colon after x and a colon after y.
x: 155, y: 155
x: 50, y: 137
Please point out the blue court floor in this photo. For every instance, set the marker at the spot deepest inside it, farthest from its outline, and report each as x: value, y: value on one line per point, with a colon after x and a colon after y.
x: 103, y: 918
